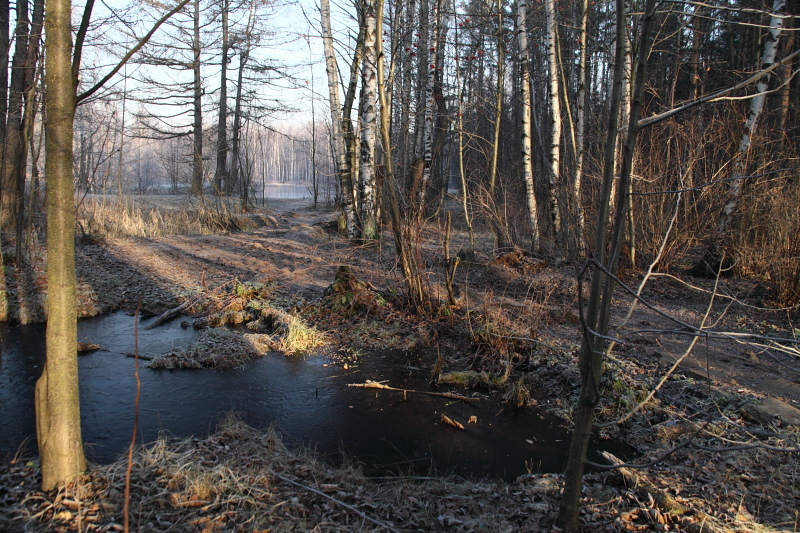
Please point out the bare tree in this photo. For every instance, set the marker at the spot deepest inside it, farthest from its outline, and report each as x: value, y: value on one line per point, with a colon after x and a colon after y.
x: 596, y: 318
x: 58, y: 420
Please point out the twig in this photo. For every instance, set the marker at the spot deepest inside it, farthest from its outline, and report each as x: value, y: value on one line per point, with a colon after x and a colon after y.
x: 126, y: 524
x: 376, y: 385
x: 672, y: 369
x: 738, y: 301
x: 338, y: 502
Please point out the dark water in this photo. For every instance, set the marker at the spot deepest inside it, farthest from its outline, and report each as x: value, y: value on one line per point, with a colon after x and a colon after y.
x: 307, y: 401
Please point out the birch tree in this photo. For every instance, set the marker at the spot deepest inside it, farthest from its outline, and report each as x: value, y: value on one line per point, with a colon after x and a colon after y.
x: 527, y: 161
x: 555, y: 119
x: 756, y: 107
x: 338, y: 138
x: 367, y: 182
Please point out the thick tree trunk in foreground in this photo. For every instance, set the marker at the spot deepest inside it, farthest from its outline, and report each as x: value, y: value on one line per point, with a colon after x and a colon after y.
x: 58, y: 421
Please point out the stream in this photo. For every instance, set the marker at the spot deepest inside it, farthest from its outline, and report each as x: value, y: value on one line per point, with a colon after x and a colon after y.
x: 306, y: 399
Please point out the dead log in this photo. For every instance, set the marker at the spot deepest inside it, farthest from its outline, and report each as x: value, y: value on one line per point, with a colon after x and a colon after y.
x: 171, y: 313
x: 135, y: 356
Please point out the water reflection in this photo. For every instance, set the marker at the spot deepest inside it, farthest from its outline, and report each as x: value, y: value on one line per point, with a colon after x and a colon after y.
x: 286, y: 191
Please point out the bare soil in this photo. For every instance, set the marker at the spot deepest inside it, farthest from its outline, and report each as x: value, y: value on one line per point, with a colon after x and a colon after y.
x: 718, y: 437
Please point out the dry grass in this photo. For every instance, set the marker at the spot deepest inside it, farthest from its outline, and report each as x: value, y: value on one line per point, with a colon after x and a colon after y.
x: 301, y: 338
x: 768, y: 247
x: 153, y: 216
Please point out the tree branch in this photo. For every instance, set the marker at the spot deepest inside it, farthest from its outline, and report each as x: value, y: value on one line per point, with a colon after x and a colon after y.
x: 717, y: 95
x: 143, y: 41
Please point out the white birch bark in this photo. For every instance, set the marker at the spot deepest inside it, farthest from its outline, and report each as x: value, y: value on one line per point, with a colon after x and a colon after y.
x: 368, y: 125
x: 555, y: 119
x: 756, y: 107
x: 338, y: 141
x: 527, y: 160
x: 430, y: 108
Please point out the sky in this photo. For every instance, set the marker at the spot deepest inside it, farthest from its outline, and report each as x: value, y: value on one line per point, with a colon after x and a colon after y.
x: 296, y: 44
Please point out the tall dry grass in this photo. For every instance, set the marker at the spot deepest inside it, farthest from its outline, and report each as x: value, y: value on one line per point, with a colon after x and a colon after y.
x: 153, y: 216
x: 767, y: 240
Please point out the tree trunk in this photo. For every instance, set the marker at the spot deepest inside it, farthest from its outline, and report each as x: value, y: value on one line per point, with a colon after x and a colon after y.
x: 580, y: 134
x: 235, y: 170
x: 5, y: 45
x: 553, y: 172
x: 339, y: 139
x: 32, y: 71
x: 366, y: 178
x: 58, y: 421
x: 197, y: 134
x: 461, y: 170
x: 756, y: 107
x: 527, y: 161
x: 783, y: 103
x: 14, y: 145
x: 222, y: 179
x: 401, y: 241
x: 597, y: 316
x: 429, y: 115
x: 499, y: 222
x: 237, y: 130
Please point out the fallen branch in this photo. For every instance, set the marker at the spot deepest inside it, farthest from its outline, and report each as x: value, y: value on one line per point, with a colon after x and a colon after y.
x: 171, y: 313
x: 135, y: 356
x: 338, y: 502
x: 376, y: 385
x: 646, y: 491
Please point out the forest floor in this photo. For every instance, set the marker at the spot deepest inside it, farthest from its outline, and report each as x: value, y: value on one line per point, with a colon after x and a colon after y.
x: 714, y: 436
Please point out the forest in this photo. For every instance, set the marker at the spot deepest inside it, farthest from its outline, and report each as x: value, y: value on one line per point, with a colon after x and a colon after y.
x: 585, y: 212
